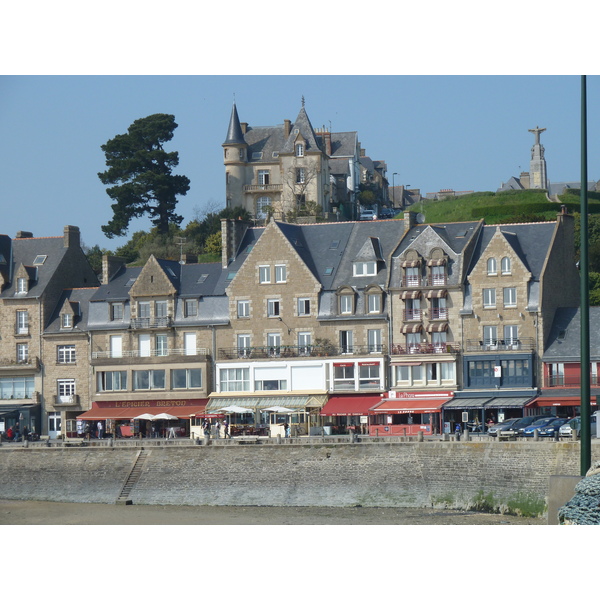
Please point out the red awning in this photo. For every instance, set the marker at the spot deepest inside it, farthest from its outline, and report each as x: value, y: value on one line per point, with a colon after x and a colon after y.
x: 101, y: 412
x: 349, y: 406
x: 557, y: 401
x: 422, y: 405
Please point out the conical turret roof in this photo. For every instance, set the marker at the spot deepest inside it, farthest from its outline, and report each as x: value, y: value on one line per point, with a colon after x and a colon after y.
x: 234, y: 133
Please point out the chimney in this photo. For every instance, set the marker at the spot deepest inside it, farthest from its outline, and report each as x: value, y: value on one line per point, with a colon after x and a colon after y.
x: 189, y: 259
x: 410, y: 218
x: 327, y: 137
x: 287, y: 128
x: 232, y: 232
x: 24, y: 234
x: 71, y: 237
x: 110, y: 267
x: 244, y: 127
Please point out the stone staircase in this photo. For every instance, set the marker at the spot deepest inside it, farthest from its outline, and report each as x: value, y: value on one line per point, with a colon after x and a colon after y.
x: 133, y: 477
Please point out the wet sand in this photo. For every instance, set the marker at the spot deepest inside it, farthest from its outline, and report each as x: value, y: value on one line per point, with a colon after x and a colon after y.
x: 65, y: 513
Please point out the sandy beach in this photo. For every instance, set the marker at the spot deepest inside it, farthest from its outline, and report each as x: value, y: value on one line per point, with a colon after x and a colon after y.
x: 64, y: 513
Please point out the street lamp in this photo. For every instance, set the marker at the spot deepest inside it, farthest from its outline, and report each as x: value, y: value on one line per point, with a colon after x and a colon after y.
x: 394, y: 190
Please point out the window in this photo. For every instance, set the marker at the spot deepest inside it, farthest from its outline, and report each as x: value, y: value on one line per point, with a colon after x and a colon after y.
x: 186, y: 378
x: 374, y: 303
x: 22, y: 353
x: 448, y: 371
x: 363, y: 269
x: 264, y: 274
x: 299, y: 150
x: 144, y: 344
x: 438, y: 275
x: 273, y: 307
x: 116, y: 346
x: 438, y: 308
x: 412, y: 277
x: 413, y: 342
x: 412, y: 312
x: 263, y: 177
x: 262, y: 204
x: 65, y: 354
x: 407, y: 374
x: 149, y: 380
x: 511, y: 336
x: 116, y: 311
x: 374, y: 340
x: 556, y: 373
x: 235, y: 380
x: 346, y: 341
x: 490, y: 336
x: 510, y: 297
x: 274, y: 343
x: 65, y: 390
x: 243, y: 309
x: 160, y: 309
x: 280, y: 273
x: 40, y: 259
x: 161, y: 345
x: 368, y: 374
x: 432, y: 371
x: 66, y: 321
x: 112, y: 381
x: 438, y: 339
x: 22, y: 285
x: 243, y: 344
x: 143, y: 310
x: 303, y: 307
x: 346, y: 304
x: 300, y: 175
x: 304, y: 342
x: 491, y: 266
x: 343, y: 376
x: 505, y: 265
x: 191, y: 307
x: 270, y: 385
x: 22, y: 322
x: 241, y: 154
x: 489, y: 298
x: 16, y: 387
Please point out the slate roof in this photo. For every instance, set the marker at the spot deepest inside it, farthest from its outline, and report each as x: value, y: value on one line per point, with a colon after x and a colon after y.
x: 79, y: 296
x: 305, y: 128
x: 24, y: 251
x: 564, y: 339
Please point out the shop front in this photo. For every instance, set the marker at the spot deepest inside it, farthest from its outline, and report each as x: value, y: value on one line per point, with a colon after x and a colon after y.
x: 250, y: 414
x: 348, y: 412
x: 145, y: 418
x: 26, y: 416
x: 408, y: 413
x: 563, y: 406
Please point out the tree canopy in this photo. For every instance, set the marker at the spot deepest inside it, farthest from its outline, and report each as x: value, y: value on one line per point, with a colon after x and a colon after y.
x: 140, y: 173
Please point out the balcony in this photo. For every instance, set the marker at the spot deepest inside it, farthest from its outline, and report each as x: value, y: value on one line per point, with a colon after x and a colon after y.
x: 573, y: 381
x: 267, y: 187
x: 443, y: 348
x: 413, y: 314
x: 105, y: 357
x: 412, y: 281
x: 31, y: 364
x: 72, y: 401
x: 147, y: 323
x: 438, y: 314
x: 492, y: 345
x: 257, y: 352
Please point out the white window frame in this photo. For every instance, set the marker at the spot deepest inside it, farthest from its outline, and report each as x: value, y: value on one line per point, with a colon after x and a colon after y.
x: 299, y: 150
x: 234, y: 379
x: 161, y: 345
x: 490, y: 336
x: 190, y: 379
x: 191, y: 307
x: 346, y: 304
x: 274, y: 343
x: 304, y: 342
x: 66, y: 354
x: 264, y: 177
x: 510, y: 297
x: 505, y: 265
x: 374, y: 341
x: 303, y: 307
x: 161, y: 309
x: 489, y: 297
x: 365, y: 269
x: 22, y: 322
x: 23, y: 353
x: 273, y: 307
x: 300, y: 175
x: 22, y: 287
x: 243, y: 309
x: 280, y: 273
x: 155, y: 379
x: 111, y: 381
x: 264, y: 274
x: 117, y: 311
x: 66, y: 321
x: 374, y: 303
x: 65, y: 390
x: 492, y: 267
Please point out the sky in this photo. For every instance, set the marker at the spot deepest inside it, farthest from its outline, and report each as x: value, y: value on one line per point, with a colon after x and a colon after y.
x: 433, y: 132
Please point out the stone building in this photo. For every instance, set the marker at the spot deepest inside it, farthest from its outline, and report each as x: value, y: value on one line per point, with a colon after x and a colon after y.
x: 288, y: 169
x: 34, y: 274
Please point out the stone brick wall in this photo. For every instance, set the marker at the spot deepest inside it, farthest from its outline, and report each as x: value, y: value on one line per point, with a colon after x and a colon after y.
x: 502, y: 476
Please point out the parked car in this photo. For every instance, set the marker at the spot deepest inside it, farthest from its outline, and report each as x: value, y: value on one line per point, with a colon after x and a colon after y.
x: 493, y: 430
x: 574, y: 425
x: 528, y: 431
x: 386, y: 213
x: 516, y: 429
x: 367, y: 215
x: 552, y: 428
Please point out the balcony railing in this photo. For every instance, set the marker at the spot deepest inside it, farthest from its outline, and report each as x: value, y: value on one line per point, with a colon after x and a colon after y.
x: 438, y: 314
x: 267, y: 187
x: 413, y: 314
x: 139, y: 354
x: 497, y: 345
x: 148, y: 323
x: 567, y: 381
x: 442, y: 348
x: 298, y: 351
x: 32, y: 363
x: 411, y: 281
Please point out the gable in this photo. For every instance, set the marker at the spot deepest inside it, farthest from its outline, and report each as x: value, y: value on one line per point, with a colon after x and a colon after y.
x: 152, y: 281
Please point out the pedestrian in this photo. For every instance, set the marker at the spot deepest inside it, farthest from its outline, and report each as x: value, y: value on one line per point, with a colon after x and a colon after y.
x: 218, y: 429
x: 25, y: 432
x: 225, y: 429
x: 286, y: 429
x: 10, y: 434
x: 457, y: 431
x: 87, y: 431
x: 17, y: 432
x: 100, y: 428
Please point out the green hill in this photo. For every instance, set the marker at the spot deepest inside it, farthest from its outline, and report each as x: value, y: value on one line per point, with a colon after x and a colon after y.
x: 513, y: 206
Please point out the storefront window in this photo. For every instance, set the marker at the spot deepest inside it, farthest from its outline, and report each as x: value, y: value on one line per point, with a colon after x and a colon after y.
x: 16, y: 387
x: 148, y: 380
x: 186, y: 378
x: 235, y: 380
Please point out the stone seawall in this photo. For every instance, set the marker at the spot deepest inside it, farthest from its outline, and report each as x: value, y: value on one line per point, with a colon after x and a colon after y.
x: 505, y: 477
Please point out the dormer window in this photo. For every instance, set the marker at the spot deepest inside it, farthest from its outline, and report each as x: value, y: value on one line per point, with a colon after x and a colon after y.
x: 66, y: 321
x: 364, y: 269
x: 22, y: 285
x: 346, y: 301
x: 299, y: 150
